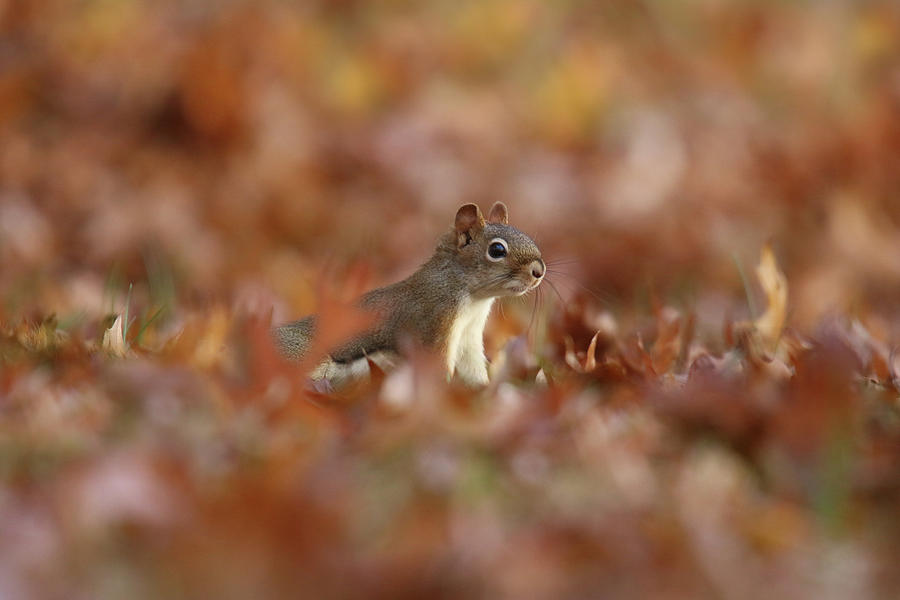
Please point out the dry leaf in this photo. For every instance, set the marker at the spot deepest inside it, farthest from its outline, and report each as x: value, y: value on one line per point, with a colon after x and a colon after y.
x: 114, y: 339
x: 667, y: 346
x: 774, y: 284
x: 590, y: 362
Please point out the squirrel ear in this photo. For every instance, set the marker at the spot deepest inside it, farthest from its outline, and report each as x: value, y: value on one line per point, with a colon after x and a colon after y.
x: 468, y: 221
x: 499, y: 214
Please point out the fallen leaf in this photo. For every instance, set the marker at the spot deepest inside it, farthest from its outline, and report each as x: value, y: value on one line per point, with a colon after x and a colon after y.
x: 774, y: 284
x: 590, y: 363
x: 114, y: 339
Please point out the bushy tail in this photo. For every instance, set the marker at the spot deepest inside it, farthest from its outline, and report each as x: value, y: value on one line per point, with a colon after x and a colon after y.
x: 293, y: 339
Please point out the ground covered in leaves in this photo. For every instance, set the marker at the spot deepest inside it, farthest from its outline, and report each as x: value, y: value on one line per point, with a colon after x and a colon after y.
x: 703, y: 401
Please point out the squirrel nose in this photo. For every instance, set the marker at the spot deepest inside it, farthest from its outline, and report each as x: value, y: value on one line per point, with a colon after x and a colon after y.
x: 537, y: 269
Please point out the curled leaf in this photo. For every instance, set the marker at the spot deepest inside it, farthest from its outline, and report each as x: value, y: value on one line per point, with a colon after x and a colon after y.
x: 590, y: 362
x: 114, y: 339
x: 774, y: 284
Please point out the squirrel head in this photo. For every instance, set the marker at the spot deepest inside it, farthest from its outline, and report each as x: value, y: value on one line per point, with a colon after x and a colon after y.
x: 501, y: 260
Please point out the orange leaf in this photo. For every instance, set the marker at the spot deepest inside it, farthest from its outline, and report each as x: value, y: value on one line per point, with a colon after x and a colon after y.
x: 774, y: 284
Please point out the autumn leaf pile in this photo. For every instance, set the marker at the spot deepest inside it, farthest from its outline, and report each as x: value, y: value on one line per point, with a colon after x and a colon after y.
x: 702, y: 401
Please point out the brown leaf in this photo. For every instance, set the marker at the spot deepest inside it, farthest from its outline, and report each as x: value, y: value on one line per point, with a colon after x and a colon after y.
x: 894, y: 365
x: 590, y: 361
x: 667, y: 346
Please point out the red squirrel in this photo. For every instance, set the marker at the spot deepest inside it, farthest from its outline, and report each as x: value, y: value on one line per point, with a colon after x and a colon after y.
x: 444, y: 305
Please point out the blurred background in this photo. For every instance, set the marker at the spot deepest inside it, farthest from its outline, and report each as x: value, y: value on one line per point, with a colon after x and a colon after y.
x: 188, y: 161
x: 207, y: 149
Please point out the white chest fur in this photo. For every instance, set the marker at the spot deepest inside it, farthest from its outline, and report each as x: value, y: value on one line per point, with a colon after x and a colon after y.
x: 465, y: 342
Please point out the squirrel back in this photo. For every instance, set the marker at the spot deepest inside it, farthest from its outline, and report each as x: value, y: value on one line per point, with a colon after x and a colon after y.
x: 443, y: 305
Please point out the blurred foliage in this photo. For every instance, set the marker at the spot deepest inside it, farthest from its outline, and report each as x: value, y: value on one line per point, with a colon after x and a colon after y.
x: 666, y: 422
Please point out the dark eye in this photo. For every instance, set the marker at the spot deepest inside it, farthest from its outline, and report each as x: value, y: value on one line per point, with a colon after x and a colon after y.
x: 496, y: 250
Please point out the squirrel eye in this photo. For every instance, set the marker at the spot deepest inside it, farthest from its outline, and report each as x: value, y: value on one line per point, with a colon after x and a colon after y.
x: 496, y: 250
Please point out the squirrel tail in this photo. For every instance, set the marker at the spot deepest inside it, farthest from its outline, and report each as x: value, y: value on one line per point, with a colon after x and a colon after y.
x: 294, y: 339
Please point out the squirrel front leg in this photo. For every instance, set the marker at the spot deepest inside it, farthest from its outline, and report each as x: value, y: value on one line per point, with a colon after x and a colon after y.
x: 471, y: 366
